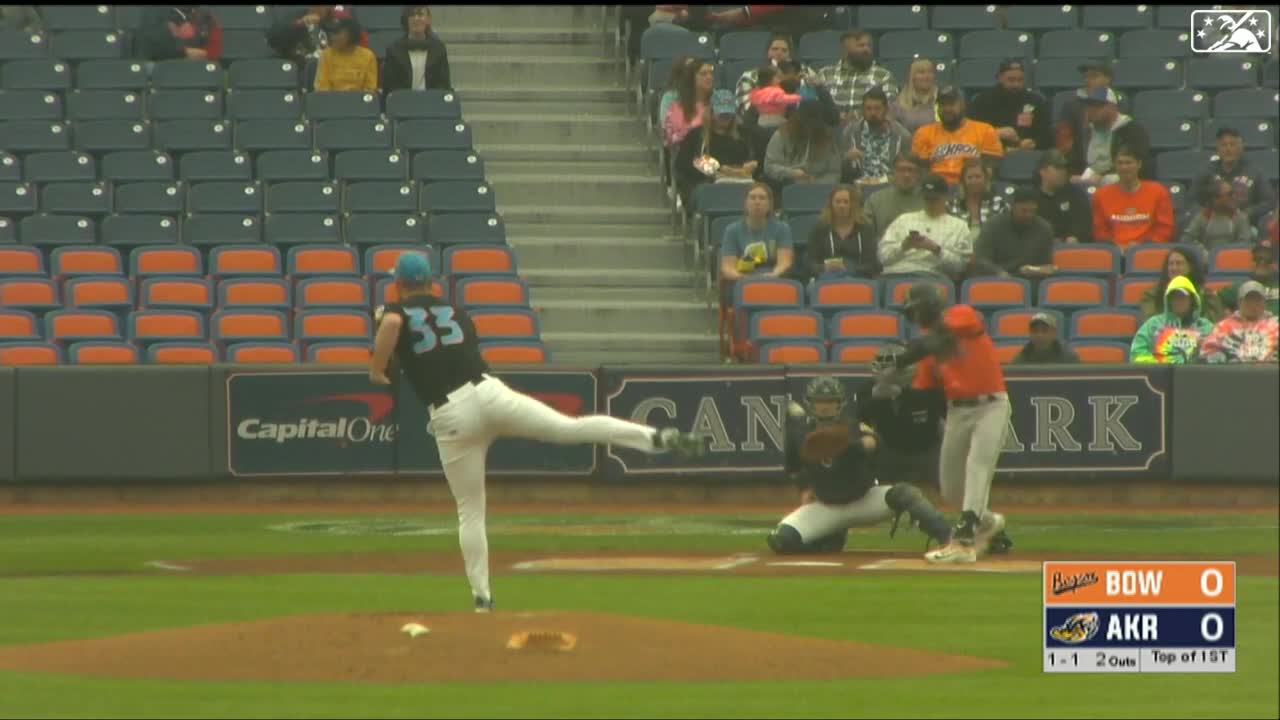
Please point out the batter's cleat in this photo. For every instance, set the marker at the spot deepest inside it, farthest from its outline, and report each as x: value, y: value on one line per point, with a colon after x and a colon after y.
x: 961, y: 549
x: 484, y: 605
x: 686, y: 445
x: 1001, y: 544
x: 987, y: 532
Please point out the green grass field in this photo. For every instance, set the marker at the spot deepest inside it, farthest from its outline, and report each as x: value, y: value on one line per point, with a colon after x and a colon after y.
x: 44, y: 598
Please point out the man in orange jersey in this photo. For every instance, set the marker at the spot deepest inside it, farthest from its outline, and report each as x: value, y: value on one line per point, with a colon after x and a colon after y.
x: 956, y: 353
x: 943, y: 146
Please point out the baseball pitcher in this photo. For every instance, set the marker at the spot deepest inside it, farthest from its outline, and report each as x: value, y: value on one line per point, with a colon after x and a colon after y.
x: 830, y: 453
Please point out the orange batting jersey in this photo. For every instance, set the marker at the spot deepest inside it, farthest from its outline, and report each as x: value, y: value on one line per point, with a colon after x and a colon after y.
x: 946, y: 151
x: 973, y: 369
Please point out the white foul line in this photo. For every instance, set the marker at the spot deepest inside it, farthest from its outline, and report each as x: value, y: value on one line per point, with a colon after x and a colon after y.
x: 736, y: 562
x: 167, y: 566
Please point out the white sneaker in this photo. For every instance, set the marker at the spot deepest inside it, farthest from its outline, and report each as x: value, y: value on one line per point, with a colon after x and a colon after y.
x: 953, y: 552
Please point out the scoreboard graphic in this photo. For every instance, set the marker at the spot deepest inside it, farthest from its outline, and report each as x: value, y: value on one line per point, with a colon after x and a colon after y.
x: 1157, y: 617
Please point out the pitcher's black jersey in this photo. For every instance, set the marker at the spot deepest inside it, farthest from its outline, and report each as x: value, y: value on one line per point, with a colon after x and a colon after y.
x: 438, y: 349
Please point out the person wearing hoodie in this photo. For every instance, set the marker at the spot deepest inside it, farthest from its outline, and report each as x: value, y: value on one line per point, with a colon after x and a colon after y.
x: 1044, y: 346
x: 1020, y: 116
x: 872, y: 141
x: 1266, y: 272
x: 1220, y: 221
x: 928, y: 242
x: 419, y: 60
x: 1172, y: 337
x: 1066, y: 207
x: 1249, y: 335
x: 1106, y: 130
x: 1249, y: 184
x: 803, y: 150
x: 1017, y: 243
x: 1186, y: 262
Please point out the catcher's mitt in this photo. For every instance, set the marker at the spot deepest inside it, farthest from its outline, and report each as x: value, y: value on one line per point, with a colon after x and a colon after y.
x: 825, y: 443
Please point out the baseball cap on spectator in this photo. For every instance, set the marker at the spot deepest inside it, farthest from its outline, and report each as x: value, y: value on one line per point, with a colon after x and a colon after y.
x: 1053, y: 158
x: 948, y: 94
x: 1252, y: 287
x: 1011, y: 64
x: 1044, y: 319
x: 1101, y: 66
x: 934, y: 185
x: 1102, y: 96
x: 722, y: 103
x: 1022, y: 193
x: 412, y: 268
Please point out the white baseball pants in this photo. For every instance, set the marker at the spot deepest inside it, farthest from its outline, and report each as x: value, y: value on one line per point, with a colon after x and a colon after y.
x: 971, y: 447
x: 817, y: 520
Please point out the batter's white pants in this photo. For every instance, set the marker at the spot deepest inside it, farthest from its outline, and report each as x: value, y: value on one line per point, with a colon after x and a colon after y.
x: 971, y: 447
x: 468, y: 424
x: 817, y: 520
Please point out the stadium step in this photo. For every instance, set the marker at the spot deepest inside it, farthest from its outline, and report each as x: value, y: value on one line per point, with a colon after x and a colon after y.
x: 502, y: 17
x: 595, y: 357
x: 556, y: 152
x: 570, y: 97
x: 604, y: 252
x: 635, y: 347
x: 532, y: 40
x: 603, y: 215
x: 660, y: 230
x: 503, y: 168
x: 577, y: 189
x: 647, y: 316
x: 554, y: 293
x: 550, y: 71
x: 655, y: 278
x: 562, y: 127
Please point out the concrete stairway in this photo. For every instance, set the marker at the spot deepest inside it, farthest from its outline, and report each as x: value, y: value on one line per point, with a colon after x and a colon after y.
x: 577, y: 184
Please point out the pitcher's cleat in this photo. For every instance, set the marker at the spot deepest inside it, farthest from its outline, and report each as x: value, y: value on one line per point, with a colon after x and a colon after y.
x: 484, y: 605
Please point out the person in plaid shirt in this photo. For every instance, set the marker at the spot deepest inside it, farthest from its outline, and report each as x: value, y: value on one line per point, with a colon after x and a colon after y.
x: 779, y: 51
x: 975, y: 203
x: 851, y: 78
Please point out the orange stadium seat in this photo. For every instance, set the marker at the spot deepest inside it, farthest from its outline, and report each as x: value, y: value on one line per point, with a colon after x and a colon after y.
x: 1129, y: 290
x: 337, y: 353
x: 491, y: 291
x: 34, y: 294
x: 793, y: 352
x: 305, y: 261
x: 165, y: 260
x: 29, y: 353
x: 1007, y: 351
x: 515, y: 353
x: 1097, y: 259
x: 1105, y: 324
x: 178, y: 293
x: 232, y: 326
x: 244, y: 260
x: 1071, y: 293
x: 896, y: 289
x: 147, y: 326
x: 996, y: 293
x: 262, y: 353
x: 385, y: 291
x: 103, y: 353
x: 1145, y: 259
x: 866, y: 325
x: 513, y: 323
x: 1233, y: 259
x: 782, y: 325
x: 271, y: 293
x: 17, y: 260
x: 77, y: 325
x: 333, y: 325
x: 182, y: 353
x: 86, y: 261
x: 1015, y: 323
x: 107, y: 293
x: 857, y: 352
x: 1100, y: 352
x: 843, y: 294
x: 18, y: 325
x: 479, y: 260
x: 333, y: 292
x: 1215, y: 285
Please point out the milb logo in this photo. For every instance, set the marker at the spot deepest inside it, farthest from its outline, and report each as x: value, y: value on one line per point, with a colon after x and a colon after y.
x: 1231, y: 31
x: 344, y: 430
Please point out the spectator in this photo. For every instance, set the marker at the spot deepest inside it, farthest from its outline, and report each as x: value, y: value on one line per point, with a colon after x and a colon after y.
x: 851, y: 78
x: 674, y: 14
x: 804, y: 149
x: 1071, y: 120
x: 902, y: 196
x: 719, y: 152
x: 1108, y: 129
x: 1249, y: 335
x: 943, y: 146
x: 1065, y: 206
x: 974, y: 202
x: 690, y: 107
x: 304, y: 36
x: 1180, y: 262
x: 743, y: 15
x: 1045, y: 346
x: 1173, y: 336
x: 1017, y: 242
x: 175, y: 33
x: 1265, y: 272
x: 1132, y: 210
x: 927, y: 242
x: 1219, y: 222
x: 344, y: 65
x: 917, y: 104
x: 770, y: 99
x: 759, y: 243
x: 1020, y: 116
x: 681, y: 68
x: 779, y: 51
x: 1253, y: 193
x: 20, y: 17
x: 419, y: 60
x: 839, y: 243
x: 873, y: 141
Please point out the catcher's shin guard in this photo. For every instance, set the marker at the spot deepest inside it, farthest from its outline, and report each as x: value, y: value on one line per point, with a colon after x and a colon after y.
x: 785, y: 540
x: 907, y: 499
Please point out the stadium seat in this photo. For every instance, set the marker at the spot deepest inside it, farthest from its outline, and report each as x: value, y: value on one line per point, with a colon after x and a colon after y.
x: 1268, y: 161
x: 461, y: 196
x: 769, y: 326
x: 506, y: 324
x: 1143, y: 73
x: 380, y: 197
x: 1271, y: 74
x: 57, y: 230
x: 1182, y: 165
x: 672, y: 41
x: 165, y: 261
x: 333, y: 326
x: 245, y: 262
x: 103, y: 353
x: 17, y: 198
x: 414, y: 135
x: 964, y: 17
x: 310, y: 261
x: 1231, y: 259
x: 303, y: 196
x: 1130, y: 289
x: 878, y: 18
x: 179, y: 136
x: 1015, y: 323
x: 182, y: 353
x: 111, y: 136
x: 225, y: 197
x: 158, y: 198
x: 8, y: 232
x: 65, y: 166
x: 262, y: 353
x: 186, y: 75
x: 1118, y: 17
x: 1088, y: 259
x: 1008, y: 350
x: 1096, y: 352
x: 866, y: 325
x: 137, y: 166
x: 151, y: 326
x: 1041, y: 18
x: 293, y: 165
x: 804, y: 198
x: 1072, y: 293
x: 271, y: 104
x: 18, y: 326
x: 1105, y: 324
x: 1019, y: 166
x: 185, y: 105
x: 896, y: 287
x: 380, y: 260
x: 14, y: 354
x: 479, y: 260
x: 239, y: 45
x: 901, y: 68
x: 818, y: 48
x: 232, y: 326
x: 379, y: 17
x: 380, y: 40
x: 715, y: 200
x: 77, y: 17
x: 856, y: 352
x: 10, y: 168
x: 744, y: 45
x: 997, y: 44
x: 515, y: 353
x: 76, y: 198
x: 89, y: 105
x: 336, y: 105
x: 299, y: 228
x: 73, y: 261
x: 1173, y: 134
x: 1254, y: 132
x: 833, y: 295
x: 408, y: 104
x: 1188, y: 104
x: 453, y: 228
x: 20, y: 45
x: 35, y: 74
x: 491, y: 291
x: 111, y: 75
x: 1075, y: 45
x: 274, y: 74
x: 793, y: 352
x: 916, y: 43
x: 33, y: 136
x: 1174, y: 17
x: 16, y: 260
x: 29, y: 293
x: 215, y: 166
x: 976, y: 74
x: 100, y: 293
x: 332, y: 292
x: 340, y: 353
x: 87, y: 45
x: 996, y: 293
x: 1155, y: 44
x: 370, y: 165
x: 385, y: 291
x: 130, y: 231
x: 244, y: 17
x: 437, y: 165
x: 78, y: 325
x: 255, y: 293
x: 353, y: 134
x: 30, y: 105
x: 366, y: 229
x: 176, y: 293
x: 1211, y: 73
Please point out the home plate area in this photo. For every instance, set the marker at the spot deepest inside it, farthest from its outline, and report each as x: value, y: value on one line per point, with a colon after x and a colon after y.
x: 750, y: 564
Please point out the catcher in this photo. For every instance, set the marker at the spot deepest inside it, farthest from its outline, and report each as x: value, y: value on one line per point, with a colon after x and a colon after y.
x: 831, y: 455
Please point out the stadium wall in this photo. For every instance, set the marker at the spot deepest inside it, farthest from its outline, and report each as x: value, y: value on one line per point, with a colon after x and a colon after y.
x: 1097, y: 424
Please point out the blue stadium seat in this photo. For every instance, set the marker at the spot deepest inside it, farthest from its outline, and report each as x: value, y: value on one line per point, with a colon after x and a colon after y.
x: 1041, y: 18
x: 276, y: 74
x: 727, y: 75
x: 225, y: 197
x: 380, y: 196
x: 461, y: 196
x: 111, y: 75
x: 1118, y: 17
x: 1260, y: 102
x: 353, y: 134
x: 1209, y: 73
x: 105, y: 105
x: 1173, y: 133
x: 336, y: 105
x: 273, y: 134
x: 215, y: 165
x: 306, y: 196
x: 77, y: 17
x: 1141, y: 73
x: 451, y: 228
x: 805, y: 198
x: 53, y: 230
x: 367, y: 229
x: 1019, y: 166
x: 88, y: 45
x: 380, y: 40
x: 435, y: 165
x: 36, y: 75
x: 138, y: 166
x: 1267, y: 160
x: 408, y: 104
x: 818, y: 48
x: 901, y: 69
x: 21, y: 136
x: 156, y: 198
x: 712, y: 200
x: 744, y: 45
x: 917, y: 43
x: 65, y: 166
x: 243, y: 17
x: 1170, y: 103
x: 379, y: 17
x: 997, y: 44
x: 370, y: 165
x: 414, y: 135
x: 1155, y: 43
x: 139, y: 230
x: 978, y: 74
x: 186, y: 75
x: 299, y: 228
x: 76, y: 198
x: 185, y: 105
x: 19, y: 45
x: 31, y: 105
x: 282, y: 165
x: 10, y: 168
x: 244, y: 45
x: 672, y: 41
x: 17, y: 198
x: 1255, y: 132
x: 1183, y: 165
x: 1059, y: 75
x: 107, y: 136
x: 221, y: 229
x: 878, y: 18
x: 964, y: 17
x: 1174, y: 17
x: 261, y: 104
x: 179, y: 136
x: 1077, y: 44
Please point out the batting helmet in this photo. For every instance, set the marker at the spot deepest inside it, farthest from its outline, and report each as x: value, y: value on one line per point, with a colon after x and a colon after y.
x: 924, y: 304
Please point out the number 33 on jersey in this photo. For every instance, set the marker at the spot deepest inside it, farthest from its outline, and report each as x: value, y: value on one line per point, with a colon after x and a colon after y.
x: 440, y: 329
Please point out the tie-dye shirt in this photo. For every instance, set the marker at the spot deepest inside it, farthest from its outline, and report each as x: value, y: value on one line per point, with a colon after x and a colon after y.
x: 1237, y: 340
x: 1167, y: 338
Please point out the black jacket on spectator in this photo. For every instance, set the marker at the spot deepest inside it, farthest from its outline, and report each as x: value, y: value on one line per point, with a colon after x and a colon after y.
x: 291, y: 39
x: 1067, y: 211
x: 1058, y: 354
x: 724, y: 148
x: 1002, y: 245
x: 154, y: 40
x: 397, y: 69
x: 1132, y: 135
x: 999, y: 108
x: 858, y: 251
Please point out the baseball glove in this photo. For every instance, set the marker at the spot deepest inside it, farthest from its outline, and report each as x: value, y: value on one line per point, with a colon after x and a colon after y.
x: 826, y: 443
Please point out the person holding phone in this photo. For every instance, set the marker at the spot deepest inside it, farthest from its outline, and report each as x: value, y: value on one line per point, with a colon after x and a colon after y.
x: 927, y: 242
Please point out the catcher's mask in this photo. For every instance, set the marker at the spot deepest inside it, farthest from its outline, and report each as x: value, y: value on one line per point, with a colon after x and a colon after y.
x: 924, y: 304
x: 825, y: 397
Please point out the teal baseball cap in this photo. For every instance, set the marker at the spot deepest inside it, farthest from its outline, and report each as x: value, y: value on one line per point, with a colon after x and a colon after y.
x: 413, y: 268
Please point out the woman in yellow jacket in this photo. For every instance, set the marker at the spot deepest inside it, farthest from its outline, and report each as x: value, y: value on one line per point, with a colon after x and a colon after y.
x: 345, y: 65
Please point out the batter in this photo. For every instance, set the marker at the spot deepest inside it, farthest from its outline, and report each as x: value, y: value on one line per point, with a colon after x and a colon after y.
x: 436, y: 346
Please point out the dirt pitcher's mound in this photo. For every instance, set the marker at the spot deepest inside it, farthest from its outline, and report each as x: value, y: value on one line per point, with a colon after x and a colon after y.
x: 472, y: 648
